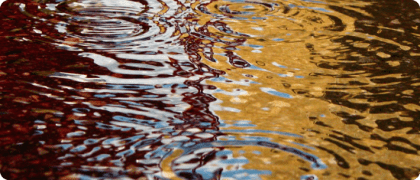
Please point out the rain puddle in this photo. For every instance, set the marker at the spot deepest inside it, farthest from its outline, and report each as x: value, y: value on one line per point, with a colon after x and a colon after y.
x: 205, y: 90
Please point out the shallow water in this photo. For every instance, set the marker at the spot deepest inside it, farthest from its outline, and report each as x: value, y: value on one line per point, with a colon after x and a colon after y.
x: 234, y: 89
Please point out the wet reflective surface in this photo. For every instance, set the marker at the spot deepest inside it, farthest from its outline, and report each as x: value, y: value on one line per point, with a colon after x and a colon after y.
x: 234, y: 89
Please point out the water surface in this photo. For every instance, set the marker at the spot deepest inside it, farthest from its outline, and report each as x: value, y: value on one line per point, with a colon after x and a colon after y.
x: 226, y: 89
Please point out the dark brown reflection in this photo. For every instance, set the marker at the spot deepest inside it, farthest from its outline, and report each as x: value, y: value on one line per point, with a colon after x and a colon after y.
x: 55, y: 126
x: 89, y: 112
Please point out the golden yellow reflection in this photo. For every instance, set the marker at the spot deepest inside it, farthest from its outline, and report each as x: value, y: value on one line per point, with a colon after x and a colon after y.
x: 286, y: 89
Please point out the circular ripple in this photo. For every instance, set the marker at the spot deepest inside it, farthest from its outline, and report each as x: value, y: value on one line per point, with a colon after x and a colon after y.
x: 241, y: 9
x: 217, y: 159
x: 248, y: 8
x: 96, y: 29
x: 103, y: 24
x: 275, y: 20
